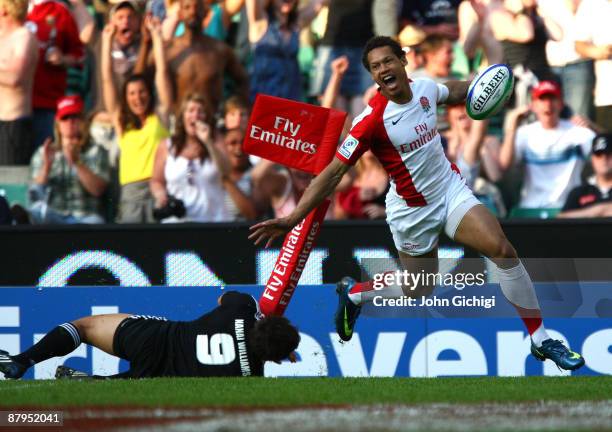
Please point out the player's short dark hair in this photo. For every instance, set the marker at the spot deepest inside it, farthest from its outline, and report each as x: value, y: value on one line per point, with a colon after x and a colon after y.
x: 273, y: 338
x: 378, y: 42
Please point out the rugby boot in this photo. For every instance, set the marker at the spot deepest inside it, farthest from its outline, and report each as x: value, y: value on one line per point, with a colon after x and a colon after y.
x: 558, y: 353
x: 9, y: 367
x: 347, y: 312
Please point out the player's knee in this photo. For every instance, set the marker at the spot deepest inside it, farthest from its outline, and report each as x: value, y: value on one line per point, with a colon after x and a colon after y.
x: 83, y: 325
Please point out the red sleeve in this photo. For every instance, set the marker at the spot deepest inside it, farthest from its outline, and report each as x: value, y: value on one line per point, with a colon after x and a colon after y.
x: 358, y: 141
x: 71, y: 42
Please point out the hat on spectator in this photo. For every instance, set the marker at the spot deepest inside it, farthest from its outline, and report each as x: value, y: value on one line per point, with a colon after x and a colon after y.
x: 602, y: 143
x: 546, y: 88
x: 120, y: 4
x: 69, y: 105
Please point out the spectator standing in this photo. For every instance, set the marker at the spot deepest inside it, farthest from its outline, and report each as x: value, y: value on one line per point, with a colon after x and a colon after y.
x: 18, y: 59
x: 199, y: 63
x: 274, y: 37
x: 553, y: 150
x: 523, y: 33
x: 69, y: 174
x: 125, y: 47
x: 594, y: 40
x: 385, y: 17
x: 139, y: 126
x: 240, y: 198
x: 125, y: 16
x: 349, y: 26
x: 475, y: 32
x: 574, y: 71
x: 191, y: 168
x: 594, y: 198
x: 60, y: 47
x: 216, y: 22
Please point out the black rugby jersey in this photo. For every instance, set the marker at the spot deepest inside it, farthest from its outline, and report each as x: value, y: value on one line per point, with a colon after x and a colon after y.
x: 215, y: 344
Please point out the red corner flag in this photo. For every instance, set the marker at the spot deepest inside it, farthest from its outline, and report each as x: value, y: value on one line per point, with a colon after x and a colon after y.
x: 294, y: 134
x: 301, y: 136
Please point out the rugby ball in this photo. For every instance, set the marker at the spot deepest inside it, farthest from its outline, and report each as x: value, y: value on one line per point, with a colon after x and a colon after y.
x: 489, y: 91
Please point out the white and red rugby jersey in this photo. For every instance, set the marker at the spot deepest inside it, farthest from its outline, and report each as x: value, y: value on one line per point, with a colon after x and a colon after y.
x: 405, y: 140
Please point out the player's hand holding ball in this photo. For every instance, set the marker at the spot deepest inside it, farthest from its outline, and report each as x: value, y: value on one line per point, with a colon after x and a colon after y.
x: 489, y: 91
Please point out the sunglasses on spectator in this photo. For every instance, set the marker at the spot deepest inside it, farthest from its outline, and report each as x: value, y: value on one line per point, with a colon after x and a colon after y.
x: 191, y: 173
x: 69, y: 117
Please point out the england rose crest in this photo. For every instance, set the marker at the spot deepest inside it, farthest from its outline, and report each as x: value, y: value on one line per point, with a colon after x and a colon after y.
x: 425, y: 104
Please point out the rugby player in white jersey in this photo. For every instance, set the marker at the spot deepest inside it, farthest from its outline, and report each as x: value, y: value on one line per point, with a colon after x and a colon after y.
x: 427, y: 194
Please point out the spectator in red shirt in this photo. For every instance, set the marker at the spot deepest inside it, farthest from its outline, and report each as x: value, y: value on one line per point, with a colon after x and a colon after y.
x: 59, y: 48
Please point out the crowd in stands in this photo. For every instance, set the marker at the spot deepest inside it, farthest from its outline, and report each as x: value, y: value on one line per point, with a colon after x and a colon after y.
x: 134, y: 111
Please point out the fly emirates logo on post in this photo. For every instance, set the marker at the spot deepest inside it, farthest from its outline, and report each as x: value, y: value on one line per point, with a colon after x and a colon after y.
x: 284, y: 134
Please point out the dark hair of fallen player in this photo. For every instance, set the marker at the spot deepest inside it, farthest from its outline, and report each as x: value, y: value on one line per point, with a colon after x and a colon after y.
x: 273, y: 339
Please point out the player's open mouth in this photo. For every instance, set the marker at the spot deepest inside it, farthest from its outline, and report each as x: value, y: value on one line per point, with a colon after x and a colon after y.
x: 390, y: 82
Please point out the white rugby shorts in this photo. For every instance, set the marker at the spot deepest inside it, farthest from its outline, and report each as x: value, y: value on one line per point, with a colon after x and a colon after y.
x: 416, y: 230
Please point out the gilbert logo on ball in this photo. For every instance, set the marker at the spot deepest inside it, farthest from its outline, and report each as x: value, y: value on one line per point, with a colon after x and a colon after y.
x: 489, y: 91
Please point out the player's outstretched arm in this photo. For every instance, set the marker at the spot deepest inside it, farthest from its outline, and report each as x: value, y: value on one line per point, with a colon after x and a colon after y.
x: 457, y: 91
x: 321, y: 187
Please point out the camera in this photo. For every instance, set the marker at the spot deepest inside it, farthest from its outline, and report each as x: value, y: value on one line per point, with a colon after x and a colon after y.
x: 174, y: 207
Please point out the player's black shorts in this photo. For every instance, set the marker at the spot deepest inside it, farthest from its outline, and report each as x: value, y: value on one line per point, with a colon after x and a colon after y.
x: 141, y: 340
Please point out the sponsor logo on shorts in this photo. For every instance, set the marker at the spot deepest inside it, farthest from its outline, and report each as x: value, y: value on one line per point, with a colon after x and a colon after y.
x: 410, y: 246
x: 348, y: 146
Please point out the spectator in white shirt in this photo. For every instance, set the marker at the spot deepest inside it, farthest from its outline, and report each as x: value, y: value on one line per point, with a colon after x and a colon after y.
x: 552, y: 150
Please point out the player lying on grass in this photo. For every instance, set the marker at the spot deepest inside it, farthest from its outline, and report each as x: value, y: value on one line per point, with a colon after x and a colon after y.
x: 427, y: 194
x: 231, y: 340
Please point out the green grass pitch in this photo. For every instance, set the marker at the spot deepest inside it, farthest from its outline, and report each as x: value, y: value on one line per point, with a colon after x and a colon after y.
x: 269, y: 392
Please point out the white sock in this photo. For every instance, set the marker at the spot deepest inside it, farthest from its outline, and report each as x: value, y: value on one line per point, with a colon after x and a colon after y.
x: 539, y: 336
x: 517, y: 287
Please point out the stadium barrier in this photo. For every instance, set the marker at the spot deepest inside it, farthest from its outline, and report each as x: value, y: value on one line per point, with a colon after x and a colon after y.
x: 221, y: 254
x: 138, y: 268
x: 418, y: 347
